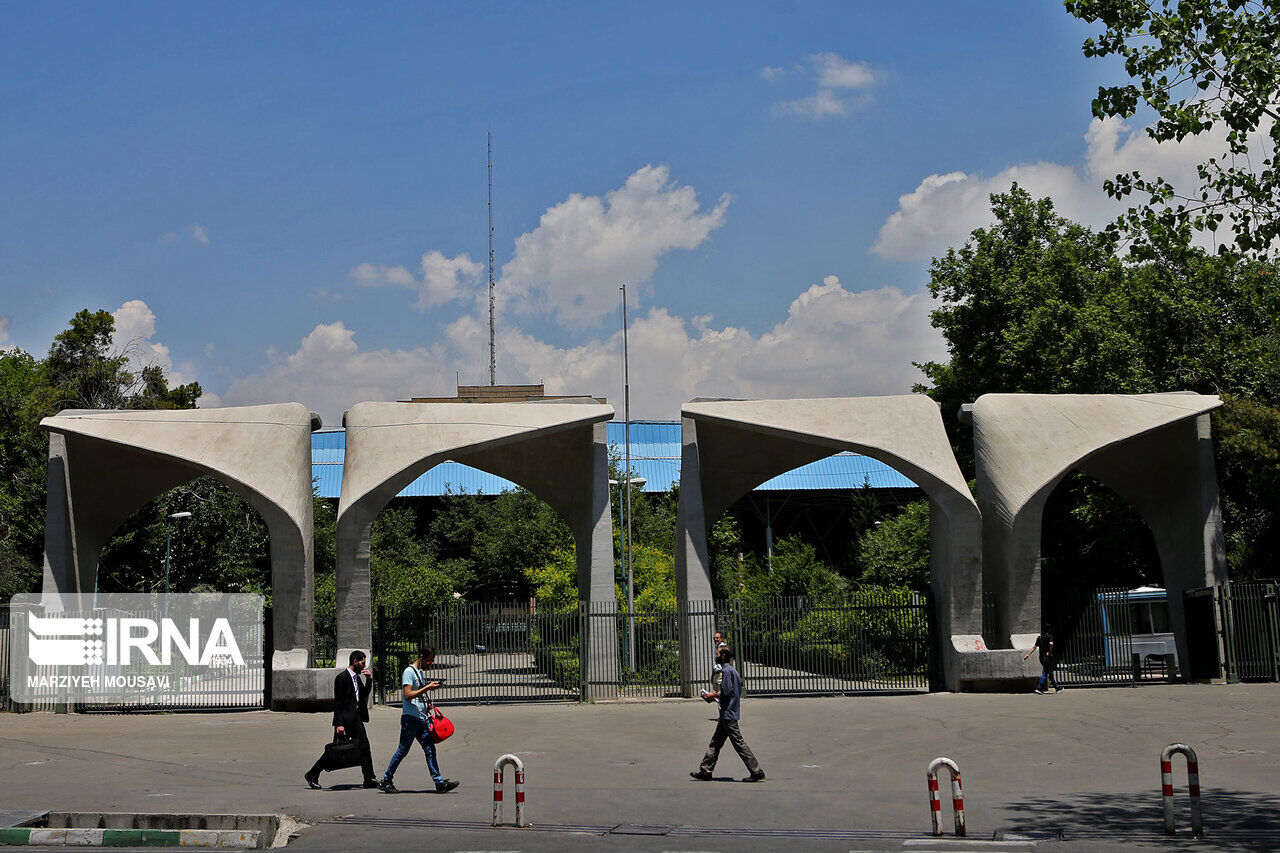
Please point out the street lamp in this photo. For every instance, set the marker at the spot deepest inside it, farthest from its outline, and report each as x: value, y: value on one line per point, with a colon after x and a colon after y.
x: 626, y: 565
x: 168, y: 548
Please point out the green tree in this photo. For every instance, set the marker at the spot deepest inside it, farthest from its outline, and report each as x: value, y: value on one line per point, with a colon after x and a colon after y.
x: 895, y: 554
x: 83, y: 369
x: 1038, y: 304
x: 1202, y: 66
x: 23, y: 454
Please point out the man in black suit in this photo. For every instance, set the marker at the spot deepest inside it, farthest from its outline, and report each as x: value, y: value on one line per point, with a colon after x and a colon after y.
x: 350, y: 713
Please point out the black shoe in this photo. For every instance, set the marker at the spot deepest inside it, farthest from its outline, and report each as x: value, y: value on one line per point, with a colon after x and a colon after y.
x: 372, y: 783
x: 700, y: 775
x: 387, y: 787
x: 446, y: 786
x: 313, y: 782
x: 755, y: 777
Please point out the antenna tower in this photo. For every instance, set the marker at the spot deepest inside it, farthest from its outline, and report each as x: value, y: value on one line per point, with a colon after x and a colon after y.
x: 493, y: 360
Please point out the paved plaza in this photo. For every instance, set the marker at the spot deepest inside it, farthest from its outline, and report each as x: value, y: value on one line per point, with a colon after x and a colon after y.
x: 844, y: 773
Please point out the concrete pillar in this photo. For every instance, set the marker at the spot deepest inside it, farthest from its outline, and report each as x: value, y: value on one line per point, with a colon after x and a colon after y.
x: 104, y: 465
x: 1152, y: 449
x: 731, y: 446
x: 555, y: 450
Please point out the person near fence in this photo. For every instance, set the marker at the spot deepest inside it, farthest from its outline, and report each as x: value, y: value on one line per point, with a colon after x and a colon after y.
x: 1048, y: 659
x: 416, y: 723
x: 350, y: 713
x: 730, y: 698
x: 716, y: 669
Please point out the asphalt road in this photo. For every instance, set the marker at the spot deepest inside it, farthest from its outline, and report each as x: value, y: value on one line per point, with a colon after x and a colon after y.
x: 844, y: 773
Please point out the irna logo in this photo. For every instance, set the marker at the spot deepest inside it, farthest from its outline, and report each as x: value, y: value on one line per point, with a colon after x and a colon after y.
x: 56, y: 641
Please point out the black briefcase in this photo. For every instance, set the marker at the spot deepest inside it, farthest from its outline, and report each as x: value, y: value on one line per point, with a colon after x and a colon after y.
x: 343, y: 752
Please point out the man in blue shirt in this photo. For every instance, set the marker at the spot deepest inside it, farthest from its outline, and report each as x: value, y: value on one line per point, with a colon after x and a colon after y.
x: 415, y: 723
x: 730, y: 697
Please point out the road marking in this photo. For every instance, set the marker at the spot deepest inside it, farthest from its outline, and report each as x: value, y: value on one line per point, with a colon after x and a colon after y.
x: 958, y: 844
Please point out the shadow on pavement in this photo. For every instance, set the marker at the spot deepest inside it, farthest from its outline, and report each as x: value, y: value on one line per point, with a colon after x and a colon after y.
x: 1245, y: 820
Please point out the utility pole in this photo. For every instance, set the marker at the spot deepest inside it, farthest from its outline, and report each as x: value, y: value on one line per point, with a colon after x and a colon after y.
x: 626, y: 484
x: 493, y: 359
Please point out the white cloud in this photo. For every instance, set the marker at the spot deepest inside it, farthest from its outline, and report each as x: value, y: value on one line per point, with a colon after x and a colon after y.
x: 199, y: 233
x: 135, y: 326
x: 6, y: 344
x: 943, y: 210
x: 842, y: 84
x: 832, y: 342
x: 442, y: 278
x: 572, y: 264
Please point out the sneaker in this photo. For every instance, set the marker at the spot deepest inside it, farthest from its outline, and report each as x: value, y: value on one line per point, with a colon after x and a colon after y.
x: 1057, y: 690
x: 1039, y: 692
x: 386, y: 786
x: 313, y: 782
x: 755, y: 777
x: 701, y: 775
x: 446, y: 786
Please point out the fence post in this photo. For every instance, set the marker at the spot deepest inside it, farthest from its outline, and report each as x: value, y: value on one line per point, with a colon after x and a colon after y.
x: 498, y: 767
x: 957, y: 795
x: 379, y: 652
x: 1229, y: 633
x: 268, y: 655
x: 1269, y: 616
x: 1193, y: 786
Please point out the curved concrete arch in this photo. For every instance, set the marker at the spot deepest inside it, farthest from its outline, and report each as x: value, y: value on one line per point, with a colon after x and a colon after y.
x: 104, y: 465
x: 731, y: 446
x: 555, y: 450
x: 1154, y: 450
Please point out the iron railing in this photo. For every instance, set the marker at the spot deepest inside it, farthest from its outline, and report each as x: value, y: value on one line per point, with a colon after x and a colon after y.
x: 874, y: 640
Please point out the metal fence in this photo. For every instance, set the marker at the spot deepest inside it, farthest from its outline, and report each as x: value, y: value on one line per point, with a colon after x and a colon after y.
x: 874, y: 641
x: 6, y: 699
x: 484, y: 652
x: 1093, y: 630
x: 1233, y: 631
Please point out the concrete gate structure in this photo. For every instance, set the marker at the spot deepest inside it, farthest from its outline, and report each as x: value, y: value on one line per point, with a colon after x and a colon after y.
x: 1154, y: 450
x: 556, y: 450
x: 104, y: 465
x: 731, y: 446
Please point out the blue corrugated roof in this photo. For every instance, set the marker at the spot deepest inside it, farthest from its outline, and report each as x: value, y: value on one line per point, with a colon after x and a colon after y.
x: 655, y: 455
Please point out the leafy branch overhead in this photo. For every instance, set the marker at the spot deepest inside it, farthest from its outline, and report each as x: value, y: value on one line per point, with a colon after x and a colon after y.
x: 1203, y: 66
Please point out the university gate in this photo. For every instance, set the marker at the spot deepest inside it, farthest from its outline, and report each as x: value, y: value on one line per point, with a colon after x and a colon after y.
x: 869, y: 642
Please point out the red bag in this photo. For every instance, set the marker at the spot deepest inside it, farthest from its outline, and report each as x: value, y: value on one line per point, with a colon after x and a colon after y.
x: 441, y: 727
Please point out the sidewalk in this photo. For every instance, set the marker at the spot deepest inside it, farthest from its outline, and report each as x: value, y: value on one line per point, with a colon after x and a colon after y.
x: 1082, y: 761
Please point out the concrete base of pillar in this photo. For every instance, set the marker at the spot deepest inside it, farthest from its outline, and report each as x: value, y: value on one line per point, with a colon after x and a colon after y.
x: 977, y: 668
x: 298, y: 687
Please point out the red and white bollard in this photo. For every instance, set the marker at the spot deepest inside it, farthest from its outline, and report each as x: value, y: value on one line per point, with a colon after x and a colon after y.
x: 957, y: 795
x: 497, y: 789
x: 1193, y: 786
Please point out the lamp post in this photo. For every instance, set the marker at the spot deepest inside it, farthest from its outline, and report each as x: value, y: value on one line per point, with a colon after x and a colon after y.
x: 626, y: 565
x: 168, y: 548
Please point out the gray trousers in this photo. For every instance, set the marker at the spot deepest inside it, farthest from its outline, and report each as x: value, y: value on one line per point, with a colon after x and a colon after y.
x: 729, y: 729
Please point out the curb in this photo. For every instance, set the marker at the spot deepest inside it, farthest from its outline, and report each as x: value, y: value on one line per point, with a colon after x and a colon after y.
x: 217, y: 838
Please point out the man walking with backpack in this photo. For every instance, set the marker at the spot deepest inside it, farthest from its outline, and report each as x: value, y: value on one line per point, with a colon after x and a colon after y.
x: 1048, y: 660
x: 415, y: 723
x: 729, y: 696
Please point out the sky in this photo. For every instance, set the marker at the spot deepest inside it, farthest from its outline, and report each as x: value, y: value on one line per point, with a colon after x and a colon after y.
x: 287, y: 202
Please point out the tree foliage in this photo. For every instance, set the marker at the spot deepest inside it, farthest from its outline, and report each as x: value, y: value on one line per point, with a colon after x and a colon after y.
x: 84, y: 369
x: 1202, y: 66
x: 895, y: 554
x: 1036, y: 303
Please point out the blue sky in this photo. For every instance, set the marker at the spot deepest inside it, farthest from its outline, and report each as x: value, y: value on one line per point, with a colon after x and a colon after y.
x: 287, y: 201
